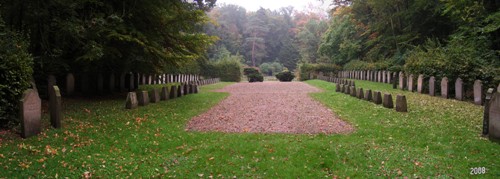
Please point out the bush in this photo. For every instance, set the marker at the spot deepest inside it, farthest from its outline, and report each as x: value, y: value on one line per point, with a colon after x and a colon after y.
x: 307, y: 68
x: 256, y: 77
x: 249, y: 71
x: 285, y: 76
x: 15, y: 74
x: 225, y: 69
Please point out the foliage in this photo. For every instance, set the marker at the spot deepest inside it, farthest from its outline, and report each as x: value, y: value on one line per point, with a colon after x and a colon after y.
x: 15, y: 74
x: 249, y: 70
x: 253, y: 75
x: 271, y: 68
x: 228, y: 69
x: 307, y: 68
x: 285, y: 76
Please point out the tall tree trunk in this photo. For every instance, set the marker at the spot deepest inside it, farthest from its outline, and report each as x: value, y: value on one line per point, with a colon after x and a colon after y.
x: 253, y: 49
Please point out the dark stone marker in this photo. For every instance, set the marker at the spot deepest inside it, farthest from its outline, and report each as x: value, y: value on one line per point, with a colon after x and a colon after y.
x: 337, y: 87
x: 486, y: 113
x: 377, y: 97
x: 55, y: 106
x: 131, y: 102
x: 444, y: 87
x: 420, y: 83
x: 388, y: 101
x: 30, y: 107
x: 459, y: 89
x: 164, y: 93
x: 401, y: 105
x: 411, y: 85
x: 360, y: 93
x: 347, y: 89
x: 478, y: 92
x: 384, y: 75
x: 494, y: 117
x: 192, y: 88
x: 155, y: 95
x: 432, y: 86
x: 394, y: 81
x: 180, y: 91
x: 186, y: 89
x: 143, y: 98
x: 368, y: 95
x: 196, y: 89
x: 70, y: 84
x: 111, y: 86
x: 173, y: 92
x: 401, y: 81
x: 353, y: 91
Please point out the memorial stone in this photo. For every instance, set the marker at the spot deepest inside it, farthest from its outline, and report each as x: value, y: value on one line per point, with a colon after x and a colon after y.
x: 420, y: 83
x: 155, y: 95
x: 459, y: 89
x: 131, y: 102
x: 164, y: 93
x: 401, y: 105
x: 377, y: 97
x: 388, y: 101
x: 30, y: 113
x: 368, y: 95
x: 143, y: 98
x: 478, y: 92
x: 55, y: 106
x: 432, y: 86
x: 494, y: 117
x: 444, y: 87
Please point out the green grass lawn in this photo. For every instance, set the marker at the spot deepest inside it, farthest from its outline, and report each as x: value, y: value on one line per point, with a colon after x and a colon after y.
x: 436, y: 137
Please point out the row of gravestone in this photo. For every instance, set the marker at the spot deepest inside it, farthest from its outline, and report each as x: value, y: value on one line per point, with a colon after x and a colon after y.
x: 143, y: 98
x: 491, y: 116
x: 30, y: 107
x: 408, y: 83
x: 98, y: 83
x: 375, y: 97
x: 337, y: 80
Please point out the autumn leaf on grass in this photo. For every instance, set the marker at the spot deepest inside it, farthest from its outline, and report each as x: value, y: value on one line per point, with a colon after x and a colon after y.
x: 86, y: 110
x: 50, y: 151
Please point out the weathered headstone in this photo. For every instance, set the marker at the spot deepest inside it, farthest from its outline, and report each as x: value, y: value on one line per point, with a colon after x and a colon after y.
x: 143, y: 98
x: 389, y: 77
x: 192, y: 89
x: 432, y: 86
x: 420, y: 83
x: 459, y: 89
x: 394, y: 81
x: 368, y: 95
x: 180, y: 90
x: 30, y: 107
x: 401, y: 105
x: 186, y: 90
x: 360, y: 93
x: 384, y: 75
x: 377, y: 97
x: 353, y: 91
x: 70, y: 84
x: 444, y: 87
x: 337, y: 87
x: 411, y: 85
x: 486, y: 112
x: 131, y: 102
x: 173, y: 92
x: 347, y: 90
x: 164, y: 93
x: 401, y: 81
x: 155, y: 95
x: 55, y: 106
x: 494, y: 117
x: 478, y: 92
x: 388, y: 101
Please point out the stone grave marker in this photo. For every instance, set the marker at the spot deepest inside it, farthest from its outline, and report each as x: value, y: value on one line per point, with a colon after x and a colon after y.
x: 368, y: 95
x: 394, y: 81
x: 401, y: 105
x: 410, y: 83
x: 164, y: 93
x: 444, y: 87
x: 486, y: 113
x: 186, y: 89
x: 360, y: 93
x: 180, y: 90
x: 30, y: 107
x: 388, y: 101
x: 131, y: 102
x: 155, y: 95
x: 337, y: 87
x: 401, y: 81
x: 70, y: 84
x: 143, y: 98
x: 173, y: 92
x: 347, y: 90
x: 384, y: 75
x: 377, y: 97
x: 55, y: 107
x: 478, y: 92
x: 353, y: 91
x: 420, y: 83
x: 432, y: 86
x: 459, y: 89
x: 494, y: 116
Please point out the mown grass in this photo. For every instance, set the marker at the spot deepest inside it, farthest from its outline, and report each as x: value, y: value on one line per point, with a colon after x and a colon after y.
x: 435, y: 138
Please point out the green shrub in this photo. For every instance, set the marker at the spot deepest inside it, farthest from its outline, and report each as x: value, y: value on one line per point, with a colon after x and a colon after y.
x: 249, y: 71
x: 285, y: 76
x: 256, y: 77
x: 306, y: 68
x: 225, y: 69
x: 15, y: 74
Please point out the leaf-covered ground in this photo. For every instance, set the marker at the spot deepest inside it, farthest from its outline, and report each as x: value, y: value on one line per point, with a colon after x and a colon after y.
x: 100, y: 138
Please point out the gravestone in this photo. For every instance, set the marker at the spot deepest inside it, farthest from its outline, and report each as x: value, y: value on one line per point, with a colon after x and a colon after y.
x: 353, y: 91
x: 377, y: 97
x: 401, y: 105
x: 192, y: 89
x: 186, y: 89
x: 164, y: 93
x: 360, y: 94
x: 410, y: 83
x: 420, y: 83
x: 432, y: 86
x: 173, y: 92
x: 494, y: 116
x: 337, y: 87
x: 401, y: 81
x: 388, y: 101
x: 384, y: 75
x: 368, y: 95
x: 394, y: 81
x: 55, y: 106
x: 70, y: 84
x: 131, y: 102
x: 30, y: 107
x: 389, y: 79
x: 459, y: 89
x: 486, y: 113
x: 150, y: 79
x: 444, y: 87
x: 347, y: 90
x: 180, y: 90
x: 143, y: 98
x: 111, y: 86
x: 155, y: 95
x: 478, y: 92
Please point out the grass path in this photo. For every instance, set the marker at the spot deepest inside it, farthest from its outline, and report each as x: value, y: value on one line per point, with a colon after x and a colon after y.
x: 436, y: 138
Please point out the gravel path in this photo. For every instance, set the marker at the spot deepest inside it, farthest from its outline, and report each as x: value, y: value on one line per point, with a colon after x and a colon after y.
x: 269, y: 107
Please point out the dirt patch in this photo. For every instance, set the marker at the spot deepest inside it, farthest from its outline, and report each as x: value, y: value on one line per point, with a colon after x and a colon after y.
x: 269, y: 107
